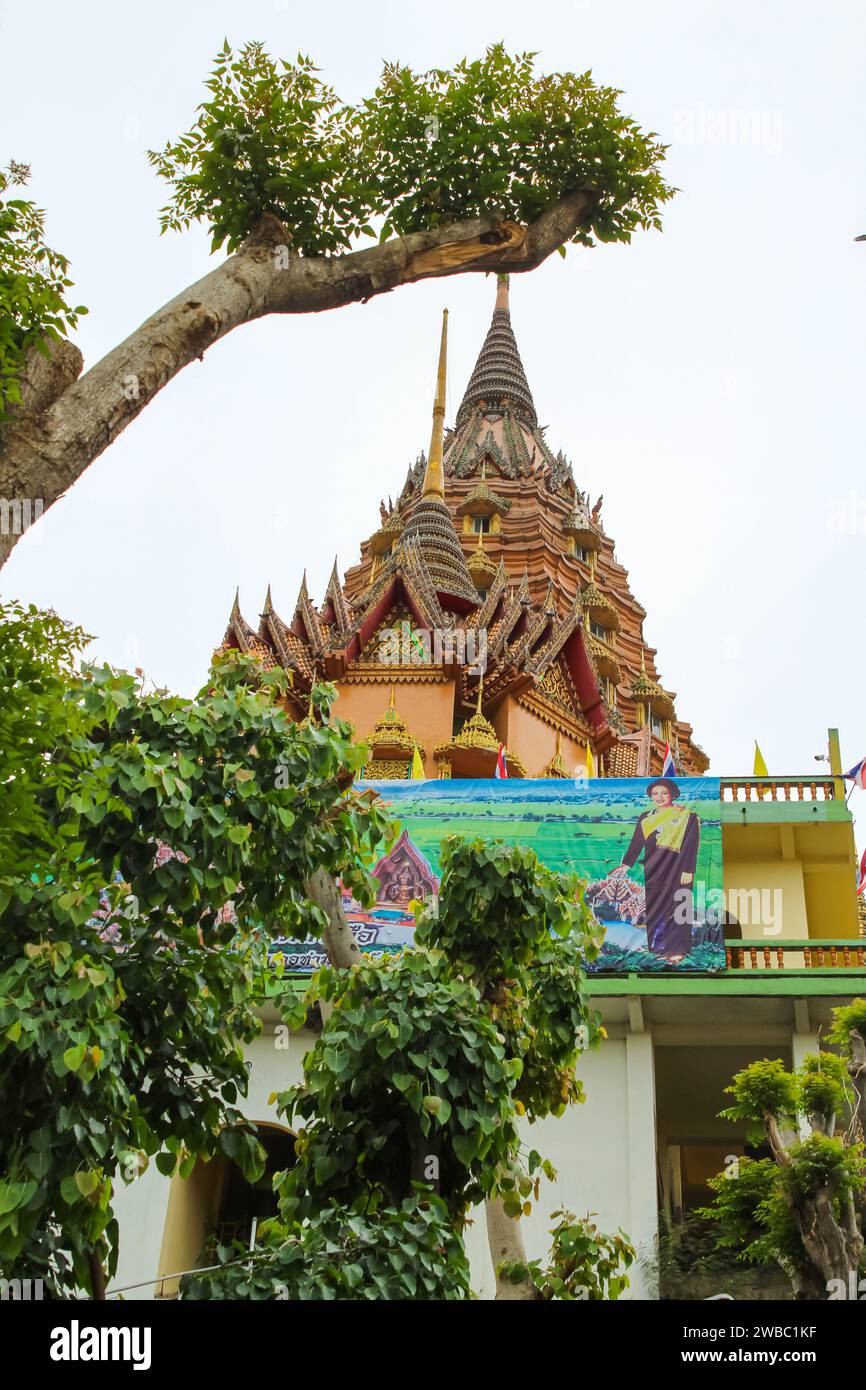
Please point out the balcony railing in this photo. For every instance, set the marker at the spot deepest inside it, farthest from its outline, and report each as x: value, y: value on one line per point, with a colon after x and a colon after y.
x: 799, y: 955
x: 778, y: 789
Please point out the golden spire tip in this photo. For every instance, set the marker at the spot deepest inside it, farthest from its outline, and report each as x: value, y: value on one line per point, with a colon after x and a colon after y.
x: 434, y: 478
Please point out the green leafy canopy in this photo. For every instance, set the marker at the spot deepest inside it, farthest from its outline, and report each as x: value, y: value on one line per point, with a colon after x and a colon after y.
x: 410, y: 1252
x: 491, y: 135
x: 33, y: 286
x: 128, y: 986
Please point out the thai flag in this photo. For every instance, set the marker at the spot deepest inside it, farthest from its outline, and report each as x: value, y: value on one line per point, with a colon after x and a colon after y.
x: 501, y: 768
x: 857, y: 775
x: 668, y: 766
x: 861, y: 875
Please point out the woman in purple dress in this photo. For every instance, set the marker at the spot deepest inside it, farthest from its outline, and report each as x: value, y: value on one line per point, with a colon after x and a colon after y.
x: 668, y: 836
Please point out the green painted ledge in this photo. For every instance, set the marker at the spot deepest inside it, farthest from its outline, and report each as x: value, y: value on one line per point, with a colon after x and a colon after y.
x: 752, y: 983
x: 749, y: 983
x: 782, y: 812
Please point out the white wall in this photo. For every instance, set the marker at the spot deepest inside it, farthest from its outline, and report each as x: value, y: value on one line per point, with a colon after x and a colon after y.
x: 604, y: 1153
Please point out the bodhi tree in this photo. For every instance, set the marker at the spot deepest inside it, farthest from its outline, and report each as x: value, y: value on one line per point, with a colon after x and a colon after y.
x: 408, y: 1113
x: 489, y: 166
x: 130, y: 820
x: 804, y: 1207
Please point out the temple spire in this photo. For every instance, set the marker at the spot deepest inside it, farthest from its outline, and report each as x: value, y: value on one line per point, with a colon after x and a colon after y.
x: 430, y: 525
x: 434, y: 478
x: 498, y: 381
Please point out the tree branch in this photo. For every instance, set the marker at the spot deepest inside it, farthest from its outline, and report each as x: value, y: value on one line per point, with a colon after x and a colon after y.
x: 44, y: 450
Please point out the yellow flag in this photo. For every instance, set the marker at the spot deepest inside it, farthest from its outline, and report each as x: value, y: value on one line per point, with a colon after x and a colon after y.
x: 590, y: 765
x: 417, y: 766
x: 760, y: 769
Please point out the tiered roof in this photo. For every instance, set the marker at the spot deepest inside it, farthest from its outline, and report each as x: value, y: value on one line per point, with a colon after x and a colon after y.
x: 527, y: 588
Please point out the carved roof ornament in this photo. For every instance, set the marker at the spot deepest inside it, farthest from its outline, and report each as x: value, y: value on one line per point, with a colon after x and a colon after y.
x: 482, y: 566
x: 643, y: 687
x: 474, y: 751
x: 496, y: 595
x: 556, y: 767
x: 561, y: 473
x: 390, y: 736
x: 305, y: 620
x: 601, y: 609
x: 391, y: 528
x: 482, y: 500
x: 602, y: 657
x: 579, y: 524
x: 702, y: 762
x: 337, y: 613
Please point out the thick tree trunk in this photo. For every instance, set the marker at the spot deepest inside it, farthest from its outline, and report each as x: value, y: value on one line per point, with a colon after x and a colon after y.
x: 337, y: 938
x: 505, y: 1237
x: 833, y: 1247
x: 49, y: 443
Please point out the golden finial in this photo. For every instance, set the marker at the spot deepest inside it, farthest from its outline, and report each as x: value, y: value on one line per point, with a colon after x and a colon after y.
x: 391, y: 701
x: 480, y: 690
x: 434, y: 480
x: 558, y: 744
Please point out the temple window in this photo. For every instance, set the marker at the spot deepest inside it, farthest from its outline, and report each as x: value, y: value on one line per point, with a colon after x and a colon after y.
x: 657, y: 726
x: 242, y: 1204
x: 597, y: 630
x: 216, y: 1204
x: 481, y: 525
x: 581, y: 554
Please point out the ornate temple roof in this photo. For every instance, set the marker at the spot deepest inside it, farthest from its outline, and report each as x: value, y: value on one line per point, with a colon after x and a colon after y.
x: 542, y: 558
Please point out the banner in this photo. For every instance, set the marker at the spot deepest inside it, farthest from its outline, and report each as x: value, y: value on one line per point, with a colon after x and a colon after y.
x: 648, y: 849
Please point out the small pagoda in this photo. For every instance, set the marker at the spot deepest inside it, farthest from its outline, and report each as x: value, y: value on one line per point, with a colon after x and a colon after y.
x: 488, y: 605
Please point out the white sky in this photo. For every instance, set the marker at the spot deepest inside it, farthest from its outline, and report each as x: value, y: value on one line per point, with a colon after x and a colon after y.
x: 708, y: 380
